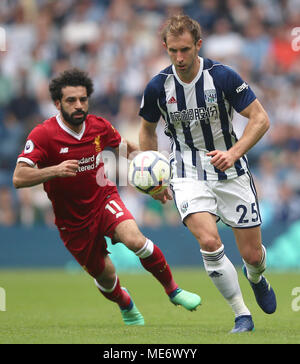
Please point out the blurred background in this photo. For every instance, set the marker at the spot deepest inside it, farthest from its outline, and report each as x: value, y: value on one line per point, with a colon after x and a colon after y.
x: 117, y: 42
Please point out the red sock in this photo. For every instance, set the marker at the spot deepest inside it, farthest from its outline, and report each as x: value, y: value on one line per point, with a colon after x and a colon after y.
x: 118, y: 295
x: 158, y: 266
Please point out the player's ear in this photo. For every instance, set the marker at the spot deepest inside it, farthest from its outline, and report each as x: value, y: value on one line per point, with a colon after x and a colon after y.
x: 199, y: 44
x: 57, y: 103
x: 165, y: 45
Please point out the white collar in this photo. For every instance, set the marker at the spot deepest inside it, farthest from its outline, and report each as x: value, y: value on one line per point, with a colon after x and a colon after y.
x: 78, y: 136
x: 190, y: 84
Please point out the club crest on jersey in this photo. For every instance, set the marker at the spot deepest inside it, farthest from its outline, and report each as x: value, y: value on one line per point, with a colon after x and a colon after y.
x: 210, y: 95
x: 97, y: 143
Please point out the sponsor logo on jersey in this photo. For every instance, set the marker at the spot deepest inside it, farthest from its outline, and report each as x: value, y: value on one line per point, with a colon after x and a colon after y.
x: 89, y: 163
x: 86, y: 164
x: 172, y: 100
x: 29, y: 146
x: 241, y: 88
x: 201, y: 113
x: 215, y: 274
x: 64, y: 150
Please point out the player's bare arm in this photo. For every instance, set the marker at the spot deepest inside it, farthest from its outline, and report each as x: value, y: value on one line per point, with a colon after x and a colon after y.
x: 256, y: 127
x: 148, y: 136
x: 28, y: 176
x: 127, y: 149
x: 148, y: 141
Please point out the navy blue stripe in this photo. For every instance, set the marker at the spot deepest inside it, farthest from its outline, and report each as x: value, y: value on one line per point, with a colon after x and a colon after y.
x: 171, y: 128
x: 225, y: 128
x: 238, y: 165
x: 174, y: 197
x: 253, y: 188
x: 211, y: 258
x: 181, y: 105
x: 252, y: 185
x: 205, y: 124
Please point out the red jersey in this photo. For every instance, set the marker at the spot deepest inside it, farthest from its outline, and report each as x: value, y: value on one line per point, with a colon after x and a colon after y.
x: 75, y: 200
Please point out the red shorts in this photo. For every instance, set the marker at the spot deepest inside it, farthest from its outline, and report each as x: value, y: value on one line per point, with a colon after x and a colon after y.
x: 88, y: 245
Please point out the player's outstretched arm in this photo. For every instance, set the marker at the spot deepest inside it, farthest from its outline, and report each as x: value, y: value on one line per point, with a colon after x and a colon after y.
x: 148, y: 136
x: 256, y: 127
x: 127, y: 149
x: 27, y: 176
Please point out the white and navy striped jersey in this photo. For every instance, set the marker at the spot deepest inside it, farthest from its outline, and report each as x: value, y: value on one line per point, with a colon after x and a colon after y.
x: 198, y: 117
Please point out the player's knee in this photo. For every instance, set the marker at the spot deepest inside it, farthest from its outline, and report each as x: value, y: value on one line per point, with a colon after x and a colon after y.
x: 134, y: 241
x: 210, y: 243
x: 130, y: 235
x: 106, y: 281
x: 253, y: 257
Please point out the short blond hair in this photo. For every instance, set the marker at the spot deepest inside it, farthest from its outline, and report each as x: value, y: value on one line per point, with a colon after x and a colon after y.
x: 178, y: 24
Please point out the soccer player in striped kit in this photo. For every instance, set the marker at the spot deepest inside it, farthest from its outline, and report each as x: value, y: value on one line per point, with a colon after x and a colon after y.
x: 211, y: 179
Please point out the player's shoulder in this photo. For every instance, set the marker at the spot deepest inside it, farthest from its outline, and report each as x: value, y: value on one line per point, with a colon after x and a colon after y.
x: 215, y: 67
x: 157, y: 82
x: 45, y: 127
x: 218, y: 70
x: 224, y: 76
x: 96, y: 120
x: 98, y: 124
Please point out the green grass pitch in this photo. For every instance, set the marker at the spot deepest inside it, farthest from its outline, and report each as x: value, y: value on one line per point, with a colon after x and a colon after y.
x: 56, y: 307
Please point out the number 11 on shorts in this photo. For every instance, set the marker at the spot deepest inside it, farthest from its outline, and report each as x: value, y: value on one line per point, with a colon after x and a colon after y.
x: 114, y: 208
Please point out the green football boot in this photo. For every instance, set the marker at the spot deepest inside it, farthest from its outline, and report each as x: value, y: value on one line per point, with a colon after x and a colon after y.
x: 131, y: 315
x: 188, y: 300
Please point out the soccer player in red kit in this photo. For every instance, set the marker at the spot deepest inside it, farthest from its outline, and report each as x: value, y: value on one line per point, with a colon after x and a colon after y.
x: 67, y: 152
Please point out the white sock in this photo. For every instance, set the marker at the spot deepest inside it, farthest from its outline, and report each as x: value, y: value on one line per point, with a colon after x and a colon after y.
x: 146, y: 250
x: 225, y: 278
x: 254, y: 272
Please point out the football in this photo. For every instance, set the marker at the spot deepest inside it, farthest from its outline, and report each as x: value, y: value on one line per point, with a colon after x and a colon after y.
x: 149, y: 172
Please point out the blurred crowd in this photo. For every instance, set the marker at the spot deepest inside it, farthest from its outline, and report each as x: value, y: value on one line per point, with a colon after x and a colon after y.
x: 117, y: 42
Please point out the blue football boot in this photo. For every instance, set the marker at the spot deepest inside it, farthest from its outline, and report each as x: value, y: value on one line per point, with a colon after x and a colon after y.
x: 264, y: 294
x: 243, y: 323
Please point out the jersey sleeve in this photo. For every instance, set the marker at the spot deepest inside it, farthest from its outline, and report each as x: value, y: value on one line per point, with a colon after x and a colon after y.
x: 112, y: 137
x: 149, y: 109
x: 35, y: 150
x: 237, y: 91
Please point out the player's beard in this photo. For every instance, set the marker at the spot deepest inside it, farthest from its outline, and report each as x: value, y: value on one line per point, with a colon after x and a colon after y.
x: 71, y: 119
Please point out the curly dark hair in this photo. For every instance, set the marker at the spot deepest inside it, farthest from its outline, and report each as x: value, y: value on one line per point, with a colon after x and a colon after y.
x: 72, y: 77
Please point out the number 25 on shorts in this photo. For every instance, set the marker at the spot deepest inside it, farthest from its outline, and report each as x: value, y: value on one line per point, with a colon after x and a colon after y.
x: 243, y: 209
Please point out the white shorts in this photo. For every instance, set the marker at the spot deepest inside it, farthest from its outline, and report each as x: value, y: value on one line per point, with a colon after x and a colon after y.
x: 233, y: 201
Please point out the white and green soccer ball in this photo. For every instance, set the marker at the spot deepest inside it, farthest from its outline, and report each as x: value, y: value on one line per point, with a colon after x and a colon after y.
x: 149, y: 172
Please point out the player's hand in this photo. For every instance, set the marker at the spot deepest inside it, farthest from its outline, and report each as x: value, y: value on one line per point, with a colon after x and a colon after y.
x: 163, y: 196
x: 67, y: 168
x: 222, y: 160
